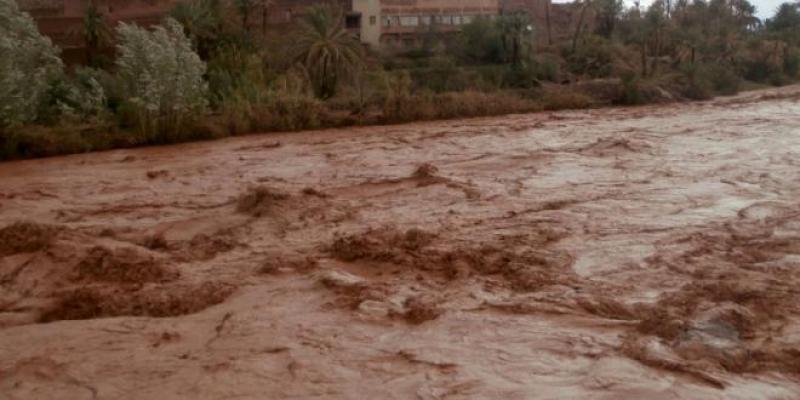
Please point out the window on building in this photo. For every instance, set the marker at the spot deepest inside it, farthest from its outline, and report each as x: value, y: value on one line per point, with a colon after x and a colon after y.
x: 373, y: 20
x: 447, y: 19
x: 456, y: 20
x: 352, y: 21
x: 387, y: 21
x: 409, y: 20
x: 396, y: 20
x: 425, y: 20
x: 467, y: 19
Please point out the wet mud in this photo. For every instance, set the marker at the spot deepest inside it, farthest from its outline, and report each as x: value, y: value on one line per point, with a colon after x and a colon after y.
x: 649, y: 252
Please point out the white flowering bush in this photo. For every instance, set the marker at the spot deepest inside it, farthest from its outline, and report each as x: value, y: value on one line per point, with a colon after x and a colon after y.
x: 28, y: 63
x: 162, y: 78
x: 78, y: 97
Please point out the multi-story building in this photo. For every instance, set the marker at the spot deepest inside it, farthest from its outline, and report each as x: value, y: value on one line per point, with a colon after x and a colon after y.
x: 376, y: 22
x: 61, y: 20
x: 402, y: 21
x: 57, y: 18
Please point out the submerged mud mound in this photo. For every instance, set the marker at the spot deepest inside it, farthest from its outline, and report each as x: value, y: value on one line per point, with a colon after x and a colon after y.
x: 730, y: 317
x: 282, y: 262
x: 259, y: 201
x: 420, y: 309
x: 167, y: 300
x: 123, y: 265
x: 728, y: 324
x: 291, y: 211
x: 607, y: 147
x: 426, y: 171
x: 383, y: 244
x: 25, y: 237
x: 401, y: 275
x: 524, y: 269
x: 206, y: 247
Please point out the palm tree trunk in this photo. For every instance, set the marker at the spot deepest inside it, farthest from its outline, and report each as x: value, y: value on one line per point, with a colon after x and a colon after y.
x: 580, y: 25
x: 547, y: 21
x: 644, y: 58
x: 264, y: 21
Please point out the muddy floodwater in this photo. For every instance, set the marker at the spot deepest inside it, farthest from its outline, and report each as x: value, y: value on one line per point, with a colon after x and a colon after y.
x: 642, y: 253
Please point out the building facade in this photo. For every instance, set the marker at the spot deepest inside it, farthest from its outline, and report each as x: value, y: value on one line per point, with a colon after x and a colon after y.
x: 377, y: 23
x: 400, y: 22
x: 58, y: 18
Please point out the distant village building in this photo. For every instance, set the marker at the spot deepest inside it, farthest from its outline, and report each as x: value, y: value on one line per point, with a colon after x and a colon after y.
x: 377, y: 23
x: 400, y: 22
x: 57, y: 18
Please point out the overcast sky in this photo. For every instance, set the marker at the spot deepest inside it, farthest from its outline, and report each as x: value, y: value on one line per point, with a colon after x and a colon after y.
x: 764, y: 8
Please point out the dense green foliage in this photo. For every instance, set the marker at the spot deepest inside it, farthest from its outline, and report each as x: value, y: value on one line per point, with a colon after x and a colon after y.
x: 326, y: 51
x: 161, y: 78
x: 28, y: 63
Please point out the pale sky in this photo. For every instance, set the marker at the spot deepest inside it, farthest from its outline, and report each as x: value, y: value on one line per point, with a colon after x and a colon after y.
x: 764, y: 8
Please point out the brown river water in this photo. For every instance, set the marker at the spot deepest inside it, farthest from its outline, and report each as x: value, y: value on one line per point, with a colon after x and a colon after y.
x: 642, y: 253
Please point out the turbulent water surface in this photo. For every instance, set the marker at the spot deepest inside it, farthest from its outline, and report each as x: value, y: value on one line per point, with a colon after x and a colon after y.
x: 650, y: 253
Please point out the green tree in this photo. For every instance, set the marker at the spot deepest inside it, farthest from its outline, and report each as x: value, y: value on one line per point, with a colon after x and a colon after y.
x: 579, y: 25
x: 608, y: 14
x: 28, y: 63
x: 784, y: 29
x: 162, y: 78
x: 94, y: 31
x: 786, y: 22
x: 202, y: 22
x: 325, y: 49
x: 480, y: 42
x: 515, y: 32
x: 245, y: 9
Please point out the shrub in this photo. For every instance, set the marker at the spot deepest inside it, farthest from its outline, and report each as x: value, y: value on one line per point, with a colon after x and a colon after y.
x: 566, y: 99
x: 593, y: 58
x: 479, y: 42
x: 162, y: 78
x: 724, y: 80
x: 703, y: 81
x: 697, y: 85
x: 521, y: 76
x: 289, y: 113
x: 236, y: 74
x: 548, y: 68
x: 791, y: 64
x: 760, y: 70
x: 28, y: 62
x: 631, y: 93
x: 455, y: 105
x: 65, y: 138
x: 78, y: 97
x: 476, y: 104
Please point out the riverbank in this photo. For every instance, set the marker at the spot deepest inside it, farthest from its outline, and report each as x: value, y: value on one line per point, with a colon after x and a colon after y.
x: 300, y: 113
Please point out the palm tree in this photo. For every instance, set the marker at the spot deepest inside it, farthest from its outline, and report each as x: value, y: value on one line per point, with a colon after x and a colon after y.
x: 202, y: 23
x: 515, y: 32
x: 585, y: 5
x: 547, y: 6
x: 94, y: 31
x: 325, y: 49
x: 245, y: 9
x: 265, y: 5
